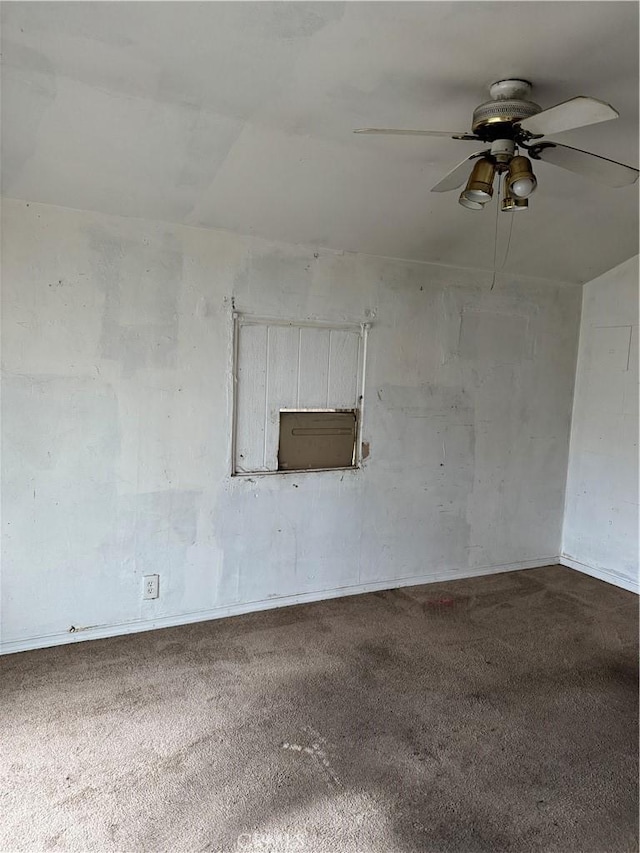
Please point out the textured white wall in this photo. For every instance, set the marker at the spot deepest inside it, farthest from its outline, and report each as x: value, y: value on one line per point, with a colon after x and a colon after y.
x: 117, y: 347
x: 601, y: 520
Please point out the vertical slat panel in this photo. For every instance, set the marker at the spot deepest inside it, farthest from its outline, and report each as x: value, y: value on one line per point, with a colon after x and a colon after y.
x: 314, y: 368
x: 288, y: 367
x: 251, y: 390
x: 343, y: 369
x: 282, y: 385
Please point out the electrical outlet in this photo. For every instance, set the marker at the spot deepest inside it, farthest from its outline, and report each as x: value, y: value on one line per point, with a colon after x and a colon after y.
x: 151, y: 588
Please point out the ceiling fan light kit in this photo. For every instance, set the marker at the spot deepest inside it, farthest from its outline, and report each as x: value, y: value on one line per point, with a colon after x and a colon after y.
x: 520, y: 181
x: 510, y: 122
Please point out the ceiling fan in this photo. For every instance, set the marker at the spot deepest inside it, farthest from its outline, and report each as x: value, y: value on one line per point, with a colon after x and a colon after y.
x: 509, y: 123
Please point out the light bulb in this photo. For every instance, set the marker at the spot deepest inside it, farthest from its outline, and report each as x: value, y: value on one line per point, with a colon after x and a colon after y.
x: 469, y: 203
x: 480, y: 196
x: 522, y: 187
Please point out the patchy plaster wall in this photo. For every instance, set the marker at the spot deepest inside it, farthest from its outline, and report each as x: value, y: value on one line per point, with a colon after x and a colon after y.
x: 117, y: 346
x: 601, y: 519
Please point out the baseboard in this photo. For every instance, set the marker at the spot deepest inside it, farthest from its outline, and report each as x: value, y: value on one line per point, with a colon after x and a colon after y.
x: 602, y: 574
x: 101, y: 632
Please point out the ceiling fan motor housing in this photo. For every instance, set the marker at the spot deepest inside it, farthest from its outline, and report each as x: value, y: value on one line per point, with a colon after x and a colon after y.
x: 495, y: 119
x: 498, y: 115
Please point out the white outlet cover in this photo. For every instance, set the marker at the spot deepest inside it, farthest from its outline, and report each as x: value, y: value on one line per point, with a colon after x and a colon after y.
x: 151, y: 586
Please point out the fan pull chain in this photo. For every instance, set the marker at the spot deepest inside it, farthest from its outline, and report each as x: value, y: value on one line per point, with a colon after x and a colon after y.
x: 506, y: 254
x: 495, y: 238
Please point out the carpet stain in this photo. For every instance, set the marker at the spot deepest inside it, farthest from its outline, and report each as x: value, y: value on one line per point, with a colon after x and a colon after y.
x: 318, y: 752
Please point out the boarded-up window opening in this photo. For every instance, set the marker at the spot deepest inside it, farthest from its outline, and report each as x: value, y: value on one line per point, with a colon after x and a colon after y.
x: 280, y: 366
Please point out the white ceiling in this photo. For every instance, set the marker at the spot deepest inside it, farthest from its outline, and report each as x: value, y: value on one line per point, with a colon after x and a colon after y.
x: 239, y: 116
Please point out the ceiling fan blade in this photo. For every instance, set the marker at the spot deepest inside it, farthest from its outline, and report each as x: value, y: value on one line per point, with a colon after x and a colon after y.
x: 391, y: 131
x: 578, y: 112
x: 457, y: 176
x: 608, y: 172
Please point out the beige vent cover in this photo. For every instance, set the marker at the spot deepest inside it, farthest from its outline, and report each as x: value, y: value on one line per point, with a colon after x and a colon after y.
x: 316, y: 440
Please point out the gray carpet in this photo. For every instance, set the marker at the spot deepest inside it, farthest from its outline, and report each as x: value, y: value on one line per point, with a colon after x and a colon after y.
x: 497, y: 714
